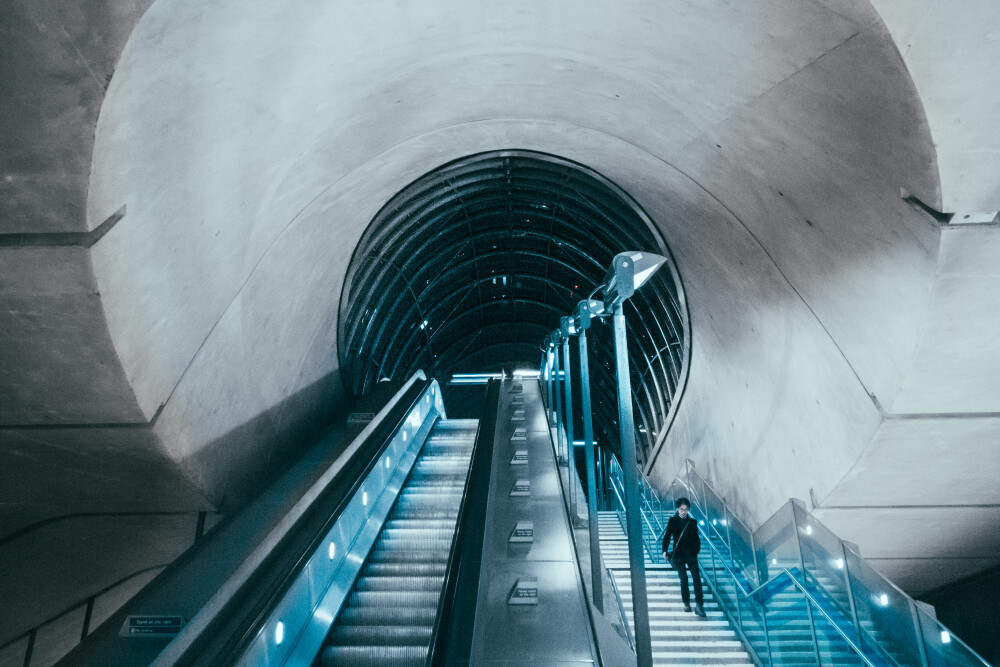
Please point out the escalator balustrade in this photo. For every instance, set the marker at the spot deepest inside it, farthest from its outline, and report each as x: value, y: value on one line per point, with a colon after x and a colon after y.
x: 388, y: 617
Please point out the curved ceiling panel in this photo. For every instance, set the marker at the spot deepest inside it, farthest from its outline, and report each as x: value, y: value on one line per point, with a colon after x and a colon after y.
x: 470, y: 266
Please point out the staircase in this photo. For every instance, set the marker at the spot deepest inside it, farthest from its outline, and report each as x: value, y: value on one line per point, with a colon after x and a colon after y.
x: 388, y: 618
x: 678, y: 637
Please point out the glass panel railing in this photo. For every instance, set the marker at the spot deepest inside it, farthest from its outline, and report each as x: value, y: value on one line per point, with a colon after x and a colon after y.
x: 775, y: 545
x: 883, y: 612
x: 824, y: 557
x: 943, y: 649
x: 793, y: 583
x: 782, y: 622
x: 753, y: 627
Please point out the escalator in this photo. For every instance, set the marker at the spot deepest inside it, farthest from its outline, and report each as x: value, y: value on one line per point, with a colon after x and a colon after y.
x: 389, y: 614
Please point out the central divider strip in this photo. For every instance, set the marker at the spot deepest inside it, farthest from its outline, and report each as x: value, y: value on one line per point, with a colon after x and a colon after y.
x: 532, y: 607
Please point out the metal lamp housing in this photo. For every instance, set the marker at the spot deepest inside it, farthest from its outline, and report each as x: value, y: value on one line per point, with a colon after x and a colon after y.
x: 629, y: 271
x: 587, y: 310
x: 567, y: 327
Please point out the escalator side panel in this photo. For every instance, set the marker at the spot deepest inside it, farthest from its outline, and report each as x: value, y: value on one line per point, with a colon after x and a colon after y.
x: 389, y: 614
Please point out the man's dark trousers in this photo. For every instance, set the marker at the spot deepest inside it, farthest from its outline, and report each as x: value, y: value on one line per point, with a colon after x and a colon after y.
x: 692, y: 563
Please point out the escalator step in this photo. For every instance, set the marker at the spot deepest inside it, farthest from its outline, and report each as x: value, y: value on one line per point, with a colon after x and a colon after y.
x: 421, y: 534
x: 435, y: 524
x: 375, y: 635
x: 414, y: 544
x: 387, y: 616
x: 407, y: 583
x: 394, y: 599
x: 362, y: 656
x: 386, y: 556
x: 433, y: 569
x: 417, y: 513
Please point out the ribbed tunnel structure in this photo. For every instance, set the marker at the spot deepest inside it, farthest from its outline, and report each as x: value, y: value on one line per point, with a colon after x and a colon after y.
x: 471, y: 265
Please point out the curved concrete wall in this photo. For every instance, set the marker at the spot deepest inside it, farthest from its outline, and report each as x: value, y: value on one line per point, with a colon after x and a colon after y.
x: 762, y: 139
x: 952, y: 54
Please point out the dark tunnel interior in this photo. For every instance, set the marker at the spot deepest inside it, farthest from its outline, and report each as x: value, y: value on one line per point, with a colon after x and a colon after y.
x: 468, y: 268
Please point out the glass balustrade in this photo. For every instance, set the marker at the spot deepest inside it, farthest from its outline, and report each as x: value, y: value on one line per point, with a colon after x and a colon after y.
x: 795, y: 592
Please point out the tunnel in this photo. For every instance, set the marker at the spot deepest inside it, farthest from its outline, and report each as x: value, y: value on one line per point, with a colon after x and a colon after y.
x: 226, y: 226
x: 468, y: 268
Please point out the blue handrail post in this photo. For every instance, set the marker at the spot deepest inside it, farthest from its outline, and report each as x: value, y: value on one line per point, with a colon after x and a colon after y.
x: 588, y: 441
x: 549, y: 414
x: 559, y: 409
x: 571, y: 473
x: 637, y: 563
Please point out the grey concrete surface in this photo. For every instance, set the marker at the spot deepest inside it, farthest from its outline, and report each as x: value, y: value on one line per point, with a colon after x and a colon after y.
x: 952, y: 54
x: 252, y: 142
x: 56, y: 59
x: 957, y: 361
x: 38, y: 580
x: 58, y: 364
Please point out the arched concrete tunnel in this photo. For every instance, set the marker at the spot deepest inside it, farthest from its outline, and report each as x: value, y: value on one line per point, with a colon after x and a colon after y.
x: 186, y: 186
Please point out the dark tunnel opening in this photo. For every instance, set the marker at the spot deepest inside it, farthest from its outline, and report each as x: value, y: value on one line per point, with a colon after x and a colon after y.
x: 467, y: 268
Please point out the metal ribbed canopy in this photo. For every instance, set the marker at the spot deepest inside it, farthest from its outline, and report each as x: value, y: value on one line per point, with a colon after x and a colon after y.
x: 469, y: 267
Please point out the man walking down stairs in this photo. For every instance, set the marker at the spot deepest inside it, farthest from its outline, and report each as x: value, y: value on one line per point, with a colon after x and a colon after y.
x: 678, y: 637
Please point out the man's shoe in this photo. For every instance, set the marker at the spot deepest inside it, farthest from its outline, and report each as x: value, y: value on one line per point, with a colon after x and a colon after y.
x: 687, y: 607
x: 699, y: 611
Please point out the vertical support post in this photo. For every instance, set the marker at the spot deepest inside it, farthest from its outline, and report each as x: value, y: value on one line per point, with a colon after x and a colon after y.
x: 637, y: 563
x: 802, y: 564
x: 920, y: 633
x: 550, y: 414
x: 549, y: 386
x: 571, y: 473
x: 850, y: 593
x: 767, y: 635
x: 199, y: 529
x: 31, y: 648
x: 597, y: 583
x: 559, y: 408
x: 727, y: 516
x: 86, y: 618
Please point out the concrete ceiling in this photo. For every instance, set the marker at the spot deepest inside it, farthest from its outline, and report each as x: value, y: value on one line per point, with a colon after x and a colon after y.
x: 251, y: 142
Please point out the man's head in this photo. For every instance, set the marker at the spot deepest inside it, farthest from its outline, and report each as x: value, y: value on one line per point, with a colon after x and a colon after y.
x: 683, y: 505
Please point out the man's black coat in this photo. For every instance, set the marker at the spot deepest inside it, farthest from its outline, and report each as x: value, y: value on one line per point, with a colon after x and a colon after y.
x: 690, y: 543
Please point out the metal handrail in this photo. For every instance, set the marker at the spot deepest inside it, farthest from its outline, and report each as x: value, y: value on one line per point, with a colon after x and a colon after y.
x: 709, y: 529
x: 621, y: 609
x: 847, y: 548
x: 784, y: 573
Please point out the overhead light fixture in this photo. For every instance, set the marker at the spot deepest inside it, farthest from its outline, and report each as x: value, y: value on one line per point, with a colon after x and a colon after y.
x: 628, y: 272
x: 585, y: 311
x: 567, y: 327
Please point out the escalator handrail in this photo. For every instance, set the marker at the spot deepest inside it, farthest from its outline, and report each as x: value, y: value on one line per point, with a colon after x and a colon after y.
x: 179, y: 650
x: 462, y: 544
